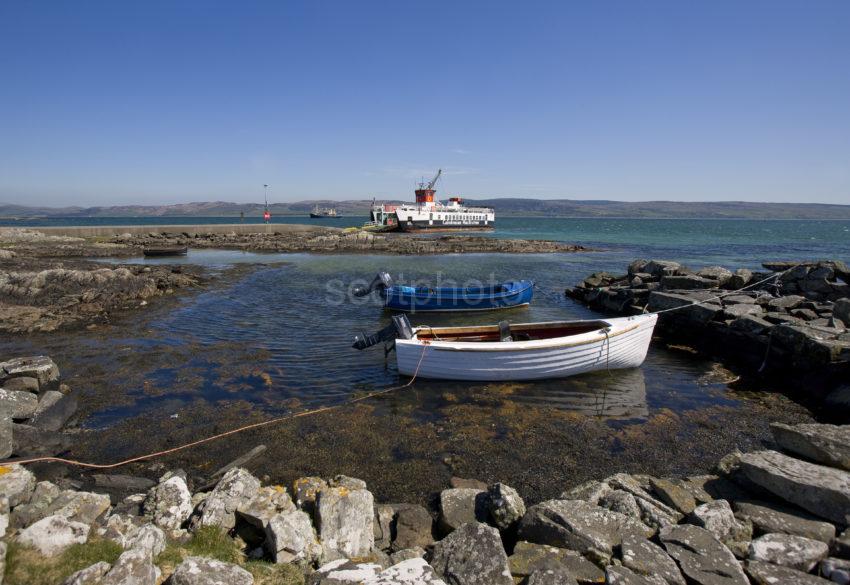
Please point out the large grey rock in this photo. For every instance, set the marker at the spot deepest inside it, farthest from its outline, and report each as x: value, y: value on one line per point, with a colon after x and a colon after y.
x: 169, y: 503
x: 345, y: 521
x: 17, y: 404
x: 717, y: 517
x: 413, y: 528
x: 769, y: 574
x: 550, y: 577
x: 344, y: 572
x: 121, y: 528
x: 16, y: 483
x: 823, y: 491
x: 589, y: 491
x: 772, y: 518
x: 206, y: 571
x: 702, y: 558
x: 690, y: 307
x: 149, y: 538
x: 85, y: 507
x: 647, y: 558
x: 718, y: 273
x: 37, y: 506
x: 472, y: 555
x: 47, y: 399
x: 91, y: 575
x: 506, y: 505
x: 459, y: 506
x: 23, y: 383
x: 54, y: 417
x: 740, y: 310
x: 52, y: 535
x: 827, y: 444
x: 841, y: 310
x: 579, y: 526
x: 621, y: 501
x: 133, y: 567
x: 659, y: 268
x: 741, y: 278
x: 653, y: 512
x: 529, y: 558
x: 786, y: 302
x: 794, y: 552
x: 688, y: 282
x: 410, y: 572
x: 253, y: 518
x: 290, y: 537
x: 674, y: 495
x: 236, y: 490
x: 39, y: 367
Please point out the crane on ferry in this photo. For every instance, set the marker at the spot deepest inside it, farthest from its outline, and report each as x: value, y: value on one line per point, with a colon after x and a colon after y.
x: 430, y: 186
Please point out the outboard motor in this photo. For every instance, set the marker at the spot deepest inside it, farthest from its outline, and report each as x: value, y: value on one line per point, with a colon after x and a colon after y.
x: 382, y: 281
x: 400, y: 328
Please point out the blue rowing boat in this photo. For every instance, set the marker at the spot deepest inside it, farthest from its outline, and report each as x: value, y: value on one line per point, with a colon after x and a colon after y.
x: 515, y: 293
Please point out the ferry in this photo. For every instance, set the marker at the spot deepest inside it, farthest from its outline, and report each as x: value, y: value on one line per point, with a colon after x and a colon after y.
x: 430, y: 214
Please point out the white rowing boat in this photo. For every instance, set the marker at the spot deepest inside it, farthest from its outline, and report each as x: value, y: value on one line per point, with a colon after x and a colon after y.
x: 525, y: 351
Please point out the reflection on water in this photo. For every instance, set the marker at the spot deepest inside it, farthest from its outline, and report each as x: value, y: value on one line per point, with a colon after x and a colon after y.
x: 281, y: 337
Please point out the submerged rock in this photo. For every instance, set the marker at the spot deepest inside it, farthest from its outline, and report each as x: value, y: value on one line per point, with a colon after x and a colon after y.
x: 472, y: 555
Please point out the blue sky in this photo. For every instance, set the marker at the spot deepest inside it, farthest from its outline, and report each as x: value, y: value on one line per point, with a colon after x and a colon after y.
x: 105, y: 102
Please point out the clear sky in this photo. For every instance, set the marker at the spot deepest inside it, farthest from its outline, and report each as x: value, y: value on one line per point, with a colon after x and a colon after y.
x: 105, y: 102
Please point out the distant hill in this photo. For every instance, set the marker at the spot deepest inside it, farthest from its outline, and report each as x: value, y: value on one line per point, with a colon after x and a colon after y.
x: 504, y: 207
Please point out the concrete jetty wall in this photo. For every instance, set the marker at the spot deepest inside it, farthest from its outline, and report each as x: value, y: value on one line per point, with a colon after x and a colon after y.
x: 114, y: 230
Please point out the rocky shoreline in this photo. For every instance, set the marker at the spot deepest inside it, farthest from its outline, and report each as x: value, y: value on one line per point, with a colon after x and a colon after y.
x: 793, y: 324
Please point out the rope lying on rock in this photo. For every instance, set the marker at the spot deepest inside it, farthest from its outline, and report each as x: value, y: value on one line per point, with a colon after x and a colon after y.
x: 243, y: 428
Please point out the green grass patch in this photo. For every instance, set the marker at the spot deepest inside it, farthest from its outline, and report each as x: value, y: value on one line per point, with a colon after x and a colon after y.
x: 266, y: 573
x: 26, y: 566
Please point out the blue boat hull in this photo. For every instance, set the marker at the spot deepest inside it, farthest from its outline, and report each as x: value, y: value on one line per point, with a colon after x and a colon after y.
x: 504, y: 296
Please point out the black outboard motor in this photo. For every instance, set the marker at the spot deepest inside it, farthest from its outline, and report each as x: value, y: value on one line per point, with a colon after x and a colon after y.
x: 400, y: 328
x: 381, y: 281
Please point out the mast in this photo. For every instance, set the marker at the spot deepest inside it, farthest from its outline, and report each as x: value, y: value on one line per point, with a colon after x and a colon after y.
x: 266, y: 214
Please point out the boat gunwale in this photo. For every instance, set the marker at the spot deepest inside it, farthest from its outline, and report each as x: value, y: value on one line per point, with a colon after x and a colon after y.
x: 464, y: 296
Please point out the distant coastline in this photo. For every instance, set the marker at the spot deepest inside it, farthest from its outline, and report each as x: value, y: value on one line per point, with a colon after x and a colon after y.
x: 508, y: 207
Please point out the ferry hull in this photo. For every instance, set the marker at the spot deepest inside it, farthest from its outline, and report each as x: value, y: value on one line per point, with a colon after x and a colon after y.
x: 436, y: 225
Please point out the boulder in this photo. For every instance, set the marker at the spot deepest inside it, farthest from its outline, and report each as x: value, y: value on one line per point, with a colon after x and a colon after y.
x: 36, y: 508
x: 786, y: 302
x: 46, y: 399
x: 637, y: 267
x: 794, y: 552
x: 16, y: 483
x: 412, y: 528
x: 737, y: 311
x: 823, y: 491
x: 290, y: 537
x: 461, y: 505
x: 827, y: 444
x: 740, y: 278
x: 85, y: 507
x: 91, y: 575
x: 236, y: 490
x: 253, y: 518
x: 673, y: 495
x: 6, y: 436
x: 718, y: 273
x: 30, y: 441
x: 717, y: 517
x: 589, y: 491
x: 622, y: 576
x: 647, y: 558
x: 769, y: 574
x: 133, y: 567
x: 841, y: 310
x: 573, y: 524
x: 23, y: 384
x: 345, y: 481
x: 169, y: 503
x: 149, y: 538
x: 345, y: 520
x: 773, y: 518
x: 305, y: 490
x: 472, y: 555
x: 40, y: 367
x: 506, y: 506
x: 688, y: 282
x: 529, y: 558
x: 17, y: 404
x: 121, y: 528
x: 702, y: 558
x: 653, y: 513
x: 53, y: 534
x: 698, y: 313
x: 751, y: 324
x: 54, y: 417
x: 384, y: 526
x: 410, y: 572
x: 206, y: 571
x: 550, y: 577
x: 659, y: 268
x: 621, y: 501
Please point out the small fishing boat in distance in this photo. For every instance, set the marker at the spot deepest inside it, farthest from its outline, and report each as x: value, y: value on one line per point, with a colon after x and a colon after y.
x: 523, y: 351
x: 505, y: 295
x: 166, y: 251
